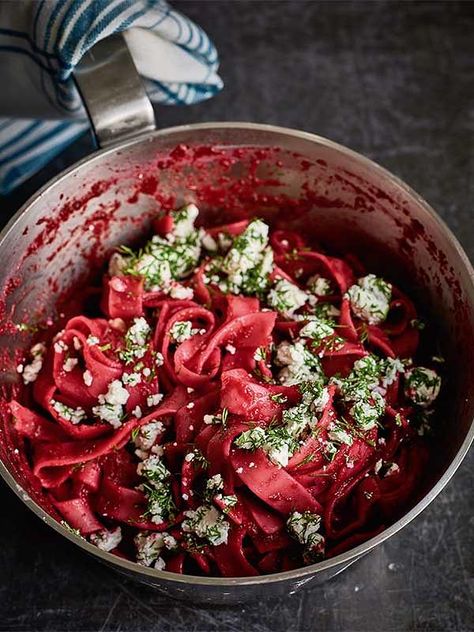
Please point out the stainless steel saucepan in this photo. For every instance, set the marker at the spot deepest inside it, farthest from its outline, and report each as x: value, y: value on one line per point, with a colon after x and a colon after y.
x: 310, y: 183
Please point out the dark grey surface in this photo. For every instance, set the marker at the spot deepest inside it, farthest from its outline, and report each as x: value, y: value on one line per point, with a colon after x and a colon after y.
x: 395, y: 82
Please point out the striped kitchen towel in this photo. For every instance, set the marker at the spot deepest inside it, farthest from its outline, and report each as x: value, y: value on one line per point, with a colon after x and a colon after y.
x: 41, y: 41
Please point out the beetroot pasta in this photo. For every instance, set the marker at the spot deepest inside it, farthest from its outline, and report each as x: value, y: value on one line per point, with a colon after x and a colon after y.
x: 240, y: 403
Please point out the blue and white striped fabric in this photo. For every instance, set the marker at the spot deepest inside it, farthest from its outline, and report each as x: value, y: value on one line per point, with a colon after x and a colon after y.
x: 42, y: 41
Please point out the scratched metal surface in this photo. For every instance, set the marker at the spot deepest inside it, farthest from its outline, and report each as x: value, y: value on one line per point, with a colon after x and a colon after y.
x: 395, y: 82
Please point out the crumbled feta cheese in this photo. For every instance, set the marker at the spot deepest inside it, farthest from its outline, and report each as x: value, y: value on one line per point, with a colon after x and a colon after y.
x: 131, y: 379
x: 150, y: 545
x: 138, y: 333
x: 304, y: 527
x: 422, y: 385
x: 393, y: 366
x: 76, y: 343
x: 212, y: 419
x: 230, y: 349
x: 137, y: 411
x: 190, y: 405
x: 19, y: 368
x: 393, y: 469
x: 111, y: 404
x: 69, y: 364
x: 30, y: 371
x: 181, y: 293
x: 317, y: 330
x: 158, y: 490
x: 370, y: 299
x: 148, y: 434
x: 159, y: 359
x: 339, y: 434
x: 367, y: 413
x: 246, y: 248
x: 248, y: 263
x: 224, y: 241
x: 92, y: 340
x: 146, y: 371
x: 60, y: 346
x: 156, y: 269
x: 300, y: 364
x: 154, y: 400
x: 107, y: 540
x: 319, y: 285
x: 214, y: 485
x: 74, y: 415
x: 182, y: 330
x: 209, y: 242
x: 286, y: 297
x: 251, y: 439
x: 260, y: 354
x: 189, y: 457
x: 183, y: 222
x: 207, y: 523
x: 87, y: 377
x: 240, y: 470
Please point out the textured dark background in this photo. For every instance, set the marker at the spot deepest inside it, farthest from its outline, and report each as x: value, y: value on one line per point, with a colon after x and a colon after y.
x: 394, y: 81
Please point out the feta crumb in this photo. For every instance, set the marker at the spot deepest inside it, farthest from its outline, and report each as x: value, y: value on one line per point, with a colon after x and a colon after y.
x: 30, y: 371
x: 69, y: 364
x: 239, y: 470
x: 60, y: 346
x: 74, y: 415
x: 208, y: 523
x: 154, y: 400
x: 183, y: 221
x: 189, y: 457
x: 393, y: 469
x: 209, y: 242
x: 137, y: 411
x: 131, y: 379
x: 190, y: 405
x: 111, y: 404
x: 76, y: 343
x: 87, y: 377
x: 92, y: 340
x: 393, y: 366
x: 214, y: 485
x: 159, y: 359
x: 150, y: 545
x: 286, y: 297
x: 107, y: 540
x: 422, y: 385
x: 148, y: 434
x: 182, y: 330
x: 317, y: 330
x: 305, y: 527
x: 230, y: 349
x: 370, y: 299
x: 180, y: 292
x: 212, y: 419
x: 300, y: 364
x: 319, y: 285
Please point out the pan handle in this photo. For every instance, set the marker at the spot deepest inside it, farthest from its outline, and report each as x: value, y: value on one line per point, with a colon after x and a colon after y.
x: 113, y: 92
